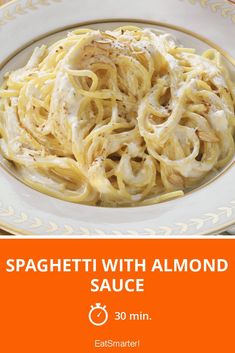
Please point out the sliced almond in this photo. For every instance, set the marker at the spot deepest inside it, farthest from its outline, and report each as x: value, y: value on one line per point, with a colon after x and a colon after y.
x: 103, y: 41
x: 107, y: 35
x: 176, y: 180
x: 103, y: 45
x: 208, y: 136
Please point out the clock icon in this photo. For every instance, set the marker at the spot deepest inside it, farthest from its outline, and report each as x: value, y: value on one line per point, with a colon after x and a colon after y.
x: 98, y: 315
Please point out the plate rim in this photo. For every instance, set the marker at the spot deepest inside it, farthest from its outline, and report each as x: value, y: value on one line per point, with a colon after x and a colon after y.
x: 18, y: 231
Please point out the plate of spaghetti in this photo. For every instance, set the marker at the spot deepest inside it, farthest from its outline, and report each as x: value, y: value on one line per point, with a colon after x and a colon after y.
x: 120, y: 126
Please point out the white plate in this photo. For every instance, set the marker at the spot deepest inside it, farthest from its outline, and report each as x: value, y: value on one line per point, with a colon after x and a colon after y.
x: 24, y: 23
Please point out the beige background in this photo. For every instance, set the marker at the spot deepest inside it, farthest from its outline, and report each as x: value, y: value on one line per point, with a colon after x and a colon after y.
x: 3, y: 2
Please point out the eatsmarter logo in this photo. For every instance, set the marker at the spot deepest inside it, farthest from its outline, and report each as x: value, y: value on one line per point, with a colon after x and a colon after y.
x: 110, y: 343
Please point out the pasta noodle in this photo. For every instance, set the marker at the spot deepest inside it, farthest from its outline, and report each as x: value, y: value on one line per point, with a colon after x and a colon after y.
x: 117, y: 118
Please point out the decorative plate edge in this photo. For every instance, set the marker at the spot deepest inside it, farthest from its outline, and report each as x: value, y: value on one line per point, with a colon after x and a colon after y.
x: 52, y: 228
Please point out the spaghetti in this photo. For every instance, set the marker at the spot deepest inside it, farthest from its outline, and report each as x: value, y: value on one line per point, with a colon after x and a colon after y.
x: 117, y: 118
